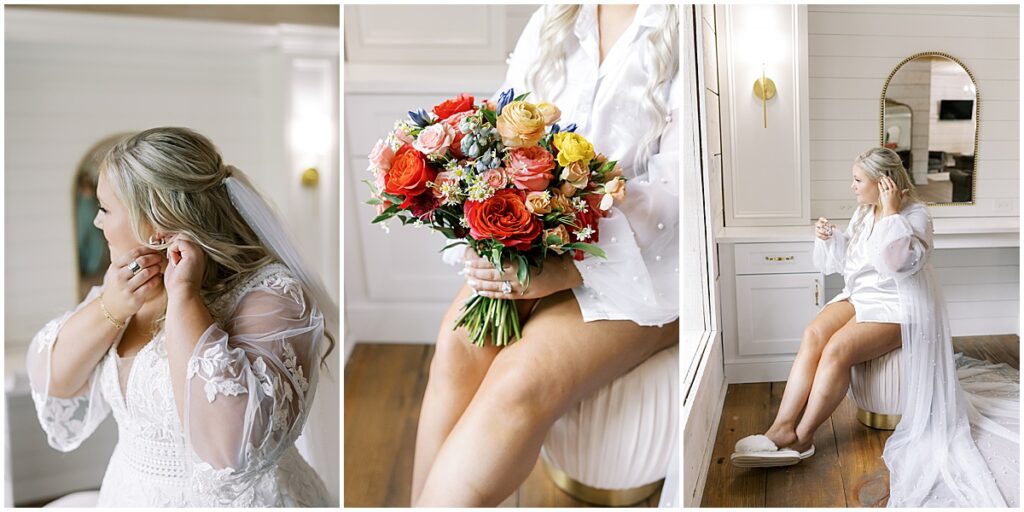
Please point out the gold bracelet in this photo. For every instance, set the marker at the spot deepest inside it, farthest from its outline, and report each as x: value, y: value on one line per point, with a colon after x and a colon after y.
x: 118, y: 324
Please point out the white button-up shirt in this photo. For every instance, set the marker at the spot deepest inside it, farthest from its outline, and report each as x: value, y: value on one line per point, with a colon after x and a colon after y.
x: 639, y: 280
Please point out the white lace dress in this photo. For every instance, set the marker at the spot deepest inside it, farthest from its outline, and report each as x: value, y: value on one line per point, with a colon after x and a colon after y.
x: 250, y: 383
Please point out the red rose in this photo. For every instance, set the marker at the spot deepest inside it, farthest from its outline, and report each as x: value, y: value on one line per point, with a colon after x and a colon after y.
x: 504, y: 217
x: 448, y: 108
x: 409, y: 175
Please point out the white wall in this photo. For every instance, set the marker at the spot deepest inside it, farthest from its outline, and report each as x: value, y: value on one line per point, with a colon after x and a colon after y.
x: 854, y: 48
x: 396, y: 286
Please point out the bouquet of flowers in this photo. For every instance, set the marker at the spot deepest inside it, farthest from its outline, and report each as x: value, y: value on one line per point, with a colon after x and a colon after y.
x: 505, y: 179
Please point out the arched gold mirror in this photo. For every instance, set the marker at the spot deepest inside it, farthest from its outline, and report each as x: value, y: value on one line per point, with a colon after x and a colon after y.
x: 93, y: 254
x: 929, y: 115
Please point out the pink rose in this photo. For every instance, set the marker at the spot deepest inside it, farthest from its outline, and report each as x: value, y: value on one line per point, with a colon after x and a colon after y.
x: 530, y: 168
x: 403, y: 136
x: 381, y: 156
x: 453, y: 121
x: 443, y: 177
x: 495, y: 178
x: 435, y: 139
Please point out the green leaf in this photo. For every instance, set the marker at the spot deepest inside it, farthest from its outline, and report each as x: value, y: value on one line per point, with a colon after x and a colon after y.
x: 453, y: 244
x: 521, y: 97
x: 553, y: 240
x: 588, y: 248
x: 393, y: 198
x: 374, y: 201
x: 490, y: 116
x: 386, y: 214
x: 523, y: 272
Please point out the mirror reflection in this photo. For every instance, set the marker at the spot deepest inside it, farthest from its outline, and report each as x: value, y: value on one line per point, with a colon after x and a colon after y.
x: 929, y: 117
x: 93, y: 254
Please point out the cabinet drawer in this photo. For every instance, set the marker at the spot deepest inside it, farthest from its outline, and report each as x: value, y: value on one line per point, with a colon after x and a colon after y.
x: 772, y: 311
x: 776, y: 258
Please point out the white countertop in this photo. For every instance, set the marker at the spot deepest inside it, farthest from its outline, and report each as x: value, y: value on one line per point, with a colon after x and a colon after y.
x: 950, y: 233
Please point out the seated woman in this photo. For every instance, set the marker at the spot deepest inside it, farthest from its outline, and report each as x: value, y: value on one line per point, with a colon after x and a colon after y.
x: 891, y: 299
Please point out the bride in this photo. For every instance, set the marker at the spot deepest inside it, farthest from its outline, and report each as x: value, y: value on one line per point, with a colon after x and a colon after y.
x: 204, y: 341
x: 486, y: 411
x: 957, y: 442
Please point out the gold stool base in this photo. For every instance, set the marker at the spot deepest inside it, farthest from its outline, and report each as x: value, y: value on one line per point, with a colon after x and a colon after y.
x: 878, y: 421
x: 595, y: 496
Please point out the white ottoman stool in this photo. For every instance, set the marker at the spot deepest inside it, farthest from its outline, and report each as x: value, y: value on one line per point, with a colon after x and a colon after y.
x: 613, y: 448
x: 875, y: 386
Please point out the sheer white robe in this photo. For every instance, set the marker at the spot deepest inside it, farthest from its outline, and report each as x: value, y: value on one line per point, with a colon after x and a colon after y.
x: 957, y: 442
x: 250, y: 382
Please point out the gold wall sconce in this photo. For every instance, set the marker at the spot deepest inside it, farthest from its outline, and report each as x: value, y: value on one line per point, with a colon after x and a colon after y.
x: 764, y: 89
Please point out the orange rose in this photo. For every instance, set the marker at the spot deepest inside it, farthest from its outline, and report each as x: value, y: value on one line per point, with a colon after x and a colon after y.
x: 504, y: 218
x: 409, y: 175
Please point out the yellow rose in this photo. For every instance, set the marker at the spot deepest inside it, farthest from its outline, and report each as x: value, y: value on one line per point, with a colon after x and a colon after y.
x: 520, y: 124
x: 539, y: 203
x: 576, y: 174
x: 573, y: 148
x: 563, y: 237
x: 550, y: 112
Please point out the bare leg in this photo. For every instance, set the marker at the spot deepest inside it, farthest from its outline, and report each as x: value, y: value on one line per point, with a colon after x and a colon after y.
x: 559, y: 361
x: 831, y: 318
x: 854, y: 343
x: 456, y: 371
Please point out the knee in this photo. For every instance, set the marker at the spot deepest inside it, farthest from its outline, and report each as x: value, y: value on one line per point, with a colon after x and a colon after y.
x: 837, y: 354
x: 451, y: 358
x: 521, y: 391
x: 814, y: 337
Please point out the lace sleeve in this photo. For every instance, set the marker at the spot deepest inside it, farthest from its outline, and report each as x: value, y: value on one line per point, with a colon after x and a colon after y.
x: 901, y: 243
x: 249, y: 385
x: 639, y: 280
x: 71, y: 420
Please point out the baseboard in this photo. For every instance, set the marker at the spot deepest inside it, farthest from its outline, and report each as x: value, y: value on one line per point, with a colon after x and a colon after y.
x: 742, y: 373
x: 701, y: 416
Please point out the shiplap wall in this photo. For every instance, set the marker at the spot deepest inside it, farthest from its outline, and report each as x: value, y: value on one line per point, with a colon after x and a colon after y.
x: 852, y: 49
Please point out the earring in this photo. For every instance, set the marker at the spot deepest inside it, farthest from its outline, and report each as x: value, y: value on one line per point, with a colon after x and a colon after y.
x: 155, y: 241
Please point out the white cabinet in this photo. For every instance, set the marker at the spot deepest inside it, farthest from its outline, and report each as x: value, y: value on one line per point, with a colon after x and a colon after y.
x: 765, y: 150
x: 770, y: 291
x: 773, y: 309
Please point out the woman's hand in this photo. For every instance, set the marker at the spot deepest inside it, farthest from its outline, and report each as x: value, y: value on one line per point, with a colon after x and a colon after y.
x: 131, y: 280
x: 823, y: 228
x: 186, y: 263
x: 890, y: 196
x: 559, y: 274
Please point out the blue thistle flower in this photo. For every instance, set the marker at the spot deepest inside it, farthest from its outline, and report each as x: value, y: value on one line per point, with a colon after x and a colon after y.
x: 570, y: 128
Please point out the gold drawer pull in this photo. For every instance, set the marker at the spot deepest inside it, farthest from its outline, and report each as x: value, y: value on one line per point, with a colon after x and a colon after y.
x: 779, y: 258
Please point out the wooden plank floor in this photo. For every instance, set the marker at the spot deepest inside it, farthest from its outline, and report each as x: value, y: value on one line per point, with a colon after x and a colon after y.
x: 847, y: 469
x: 384, y: 386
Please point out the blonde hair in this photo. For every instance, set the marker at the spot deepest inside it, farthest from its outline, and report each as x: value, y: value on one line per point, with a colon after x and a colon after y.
x: 882, y: 161
x: 172, y: 180
x: 547, y: 78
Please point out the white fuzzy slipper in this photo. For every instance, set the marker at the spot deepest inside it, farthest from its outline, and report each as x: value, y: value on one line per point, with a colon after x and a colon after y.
x: 757, y: 451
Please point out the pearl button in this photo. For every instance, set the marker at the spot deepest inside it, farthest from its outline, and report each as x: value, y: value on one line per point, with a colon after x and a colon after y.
x: 636, y: 278
x: 661, y: 226
x: 668, y: 119
x: 614, y: 239
x: 657, y: 258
